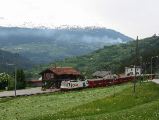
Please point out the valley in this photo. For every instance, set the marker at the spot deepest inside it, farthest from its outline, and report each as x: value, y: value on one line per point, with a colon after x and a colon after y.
x: 46, y: 45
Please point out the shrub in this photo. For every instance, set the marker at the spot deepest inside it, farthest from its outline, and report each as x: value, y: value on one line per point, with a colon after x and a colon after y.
x: 4, y: 79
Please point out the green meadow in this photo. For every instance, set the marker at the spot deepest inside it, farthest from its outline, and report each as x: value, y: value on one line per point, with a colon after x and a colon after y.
x: 87, y: 104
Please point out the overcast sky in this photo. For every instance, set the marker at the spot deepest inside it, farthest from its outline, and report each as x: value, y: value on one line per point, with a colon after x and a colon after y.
x: 131, y: 17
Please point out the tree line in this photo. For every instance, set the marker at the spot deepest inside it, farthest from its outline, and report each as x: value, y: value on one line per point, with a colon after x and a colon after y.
x: 8, y: 81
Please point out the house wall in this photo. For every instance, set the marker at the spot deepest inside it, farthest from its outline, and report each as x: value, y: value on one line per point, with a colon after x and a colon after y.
x: 131, y: 71
x: 52, y: 80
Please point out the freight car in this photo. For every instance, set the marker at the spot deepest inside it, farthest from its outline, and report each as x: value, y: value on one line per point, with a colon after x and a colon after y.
x: 107, y: 82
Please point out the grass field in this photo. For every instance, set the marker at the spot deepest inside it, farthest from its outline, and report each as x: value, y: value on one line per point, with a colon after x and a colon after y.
x: 98, y: 103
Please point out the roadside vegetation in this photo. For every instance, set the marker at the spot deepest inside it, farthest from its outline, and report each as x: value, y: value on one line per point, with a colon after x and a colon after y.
x: 98, y: 103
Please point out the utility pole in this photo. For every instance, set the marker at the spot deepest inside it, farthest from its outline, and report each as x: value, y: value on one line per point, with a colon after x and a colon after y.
x: 136, y: 60
x: 151, y: 67
x: 141, y: 66
x: 114, y: 79
x: 15, y: 85
x: 15, y: 78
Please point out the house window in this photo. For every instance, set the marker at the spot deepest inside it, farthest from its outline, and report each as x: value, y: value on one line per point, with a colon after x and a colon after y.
x: 131, y: 73
x: 52, y: 76
x: 49, y: 76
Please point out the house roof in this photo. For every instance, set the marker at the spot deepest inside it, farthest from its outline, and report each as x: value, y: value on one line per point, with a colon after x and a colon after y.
x: 101, y: 73
x: 62, y: 71
x: 113, y: 76
x: 132, y: 67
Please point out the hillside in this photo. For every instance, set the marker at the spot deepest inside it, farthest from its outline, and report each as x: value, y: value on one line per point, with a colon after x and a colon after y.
x: 90, y: 104
x: 46, y: 45
x: 115, y: 57
x: 7, y: 60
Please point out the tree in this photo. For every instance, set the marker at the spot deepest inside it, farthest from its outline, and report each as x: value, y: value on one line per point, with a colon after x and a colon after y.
x: 21, y: 84
x: 11, y: 83
x: 4, y: 79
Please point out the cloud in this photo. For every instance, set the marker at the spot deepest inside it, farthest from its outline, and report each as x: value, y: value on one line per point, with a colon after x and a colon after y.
x: 2, y: 18
x: 131, y: 17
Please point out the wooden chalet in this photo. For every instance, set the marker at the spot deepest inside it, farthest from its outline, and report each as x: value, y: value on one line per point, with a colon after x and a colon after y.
x: 52, y: 77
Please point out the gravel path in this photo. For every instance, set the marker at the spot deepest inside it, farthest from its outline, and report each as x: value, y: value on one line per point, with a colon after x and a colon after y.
x: 25, y: 92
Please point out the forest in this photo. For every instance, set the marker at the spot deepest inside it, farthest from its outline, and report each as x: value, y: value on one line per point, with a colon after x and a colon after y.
x: 114, y: 58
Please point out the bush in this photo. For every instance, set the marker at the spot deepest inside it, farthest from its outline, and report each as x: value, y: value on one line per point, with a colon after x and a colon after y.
x: 4, y: 79
x: 11, y: 84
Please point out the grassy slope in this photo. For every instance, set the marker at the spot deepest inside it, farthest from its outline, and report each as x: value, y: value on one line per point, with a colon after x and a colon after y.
x: 88, y: 104
x: 25, y: 108
x: 144, y: 105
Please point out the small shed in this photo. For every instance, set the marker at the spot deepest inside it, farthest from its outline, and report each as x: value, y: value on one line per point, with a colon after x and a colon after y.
x: 52, y: 77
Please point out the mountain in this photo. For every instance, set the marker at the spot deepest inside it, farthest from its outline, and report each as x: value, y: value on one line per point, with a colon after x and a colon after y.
x: 43, y: 45
x: 8, y: 61
x: 115, y: 58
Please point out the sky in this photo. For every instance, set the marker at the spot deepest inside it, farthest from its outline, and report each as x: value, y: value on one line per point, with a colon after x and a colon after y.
x: 130, y: 17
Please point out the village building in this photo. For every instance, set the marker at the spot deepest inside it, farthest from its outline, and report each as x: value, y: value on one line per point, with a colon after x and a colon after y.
x: 101, y: 74
x: 52, y: 77
x: 130, y: 71
x: 34, y: 82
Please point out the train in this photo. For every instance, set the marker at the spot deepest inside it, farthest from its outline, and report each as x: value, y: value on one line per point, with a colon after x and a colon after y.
x: 73, y: 84
x: 101, y: 82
